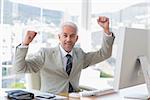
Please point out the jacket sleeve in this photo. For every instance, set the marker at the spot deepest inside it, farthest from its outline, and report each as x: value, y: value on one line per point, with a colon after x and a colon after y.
x: 23, y: 64
x: 102, y: 54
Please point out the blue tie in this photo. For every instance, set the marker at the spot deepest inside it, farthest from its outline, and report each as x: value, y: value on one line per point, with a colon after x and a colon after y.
x: 68, y: 70
x: 69, y: 64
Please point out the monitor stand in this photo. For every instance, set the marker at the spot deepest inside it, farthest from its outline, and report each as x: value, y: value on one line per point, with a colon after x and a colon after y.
x: 146, y: 72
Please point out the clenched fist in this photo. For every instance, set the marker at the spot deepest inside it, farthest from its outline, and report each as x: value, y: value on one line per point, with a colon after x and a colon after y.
x: 104, y: 23
x: 29, y: 37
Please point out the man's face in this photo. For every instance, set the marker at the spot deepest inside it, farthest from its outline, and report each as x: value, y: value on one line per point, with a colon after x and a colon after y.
x: 68, y: 38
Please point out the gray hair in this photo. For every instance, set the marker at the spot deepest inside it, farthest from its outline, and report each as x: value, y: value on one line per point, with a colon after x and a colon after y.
x: 71, y: 24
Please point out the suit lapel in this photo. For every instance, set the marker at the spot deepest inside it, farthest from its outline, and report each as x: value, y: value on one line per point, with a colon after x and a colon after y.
x: 58, y: 61
x: 74, y: 64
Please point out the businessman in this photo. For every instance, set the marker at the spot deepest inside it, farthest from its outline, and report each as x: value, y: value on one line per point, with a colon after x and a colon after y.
x: 60, y: 67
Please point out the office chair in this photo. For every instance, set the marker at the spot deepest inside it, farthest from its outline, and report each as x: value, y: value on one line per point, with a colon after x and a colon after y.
x: 33, y: 81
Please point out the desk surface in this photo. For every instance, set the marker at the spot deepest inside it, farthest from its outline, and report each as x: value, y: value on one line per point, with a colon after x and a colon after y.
x: 140, y: 89
x: 135, y: 90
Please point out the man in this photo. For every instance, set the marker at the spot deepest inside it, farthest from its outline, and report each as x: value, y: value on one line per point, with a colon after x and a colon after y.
x: 61, y: 73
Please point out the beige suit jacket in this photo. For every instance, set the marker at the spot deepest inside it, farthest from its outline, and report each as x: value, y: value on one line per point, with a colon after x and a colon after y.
x: 48, y: 61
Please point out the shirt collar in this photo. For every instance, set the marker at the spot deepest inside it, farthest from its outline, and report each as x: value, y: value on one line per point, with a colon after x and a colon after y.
x: 64, y: 53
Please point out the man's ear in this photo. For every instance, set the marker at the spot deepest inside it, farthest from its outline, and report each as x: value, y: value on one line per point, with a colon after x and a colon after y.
x: 59, y: 36
x: 77, y: 38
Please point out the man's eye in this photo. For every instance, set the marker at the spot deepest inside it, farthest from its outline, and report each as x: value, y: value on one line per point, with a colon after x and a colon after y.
x: 65, y: 35
x: 73, y: 36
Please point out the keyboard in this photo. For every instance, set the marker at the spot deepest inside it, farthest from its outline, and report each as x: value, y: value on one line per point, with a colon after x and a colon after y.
x: 97, y: 92
x: 92, y: 93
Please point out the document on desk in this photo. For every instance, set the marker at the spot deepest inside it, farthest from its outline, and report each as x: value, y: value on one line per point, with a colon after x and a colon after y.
x: 47, y: 96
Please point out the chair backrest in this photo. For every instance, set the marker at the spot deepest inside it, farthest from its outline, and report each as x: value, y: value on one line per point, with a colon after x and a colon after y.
x: 33, y: 81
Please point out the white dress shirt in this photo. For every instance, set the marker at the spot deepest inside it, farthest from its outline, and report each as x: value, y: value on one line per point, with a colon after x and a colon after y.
x: 63, y: 56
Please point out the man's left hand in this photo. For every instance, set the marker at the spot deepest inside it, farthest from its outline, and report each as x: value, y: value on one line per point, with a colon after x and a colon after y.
x: 104, y: 23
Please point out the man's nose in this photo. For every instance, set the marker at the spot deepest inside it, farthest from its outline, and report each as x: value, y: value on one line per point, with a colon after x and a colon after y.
x: 68, y: 38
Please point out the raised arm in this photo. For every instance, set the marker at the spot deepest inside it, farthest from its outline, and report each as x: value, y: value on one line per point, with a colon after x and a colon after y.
x: 106, y: 47
x: 104, y: 23
x: 30, y: 35
x: 33, y: 63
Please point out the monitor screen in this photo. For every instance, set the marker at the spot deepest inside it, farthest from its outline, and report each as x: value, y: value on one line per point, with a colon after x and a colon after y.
x: 132, y: 43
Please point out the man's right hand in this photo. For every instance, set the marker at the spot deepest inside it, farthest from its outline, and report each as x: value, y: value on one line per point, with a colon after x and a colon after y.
x: 29, y: 37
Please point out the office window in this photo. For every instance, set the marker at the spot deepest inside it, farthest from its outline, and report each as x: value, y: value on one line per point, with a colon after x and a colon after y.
x: 7, y: 12
x: 18, y: 16
x: 28, y: 14
x: 52, y: 17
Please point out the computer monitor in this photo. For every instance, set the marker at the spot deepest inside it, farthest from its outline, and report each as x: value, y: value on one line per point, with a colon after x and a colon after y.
x: 132, y: 43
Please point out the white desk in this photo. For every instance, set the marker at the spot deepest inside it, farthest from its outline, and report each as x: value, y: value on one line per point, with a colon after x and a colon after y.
x: 140, y: 89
